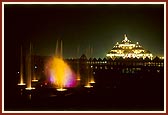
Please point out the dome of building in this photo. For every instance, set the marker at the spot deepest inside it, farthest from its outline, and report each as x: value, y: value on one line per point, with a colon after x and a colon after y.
x: 127, y: 49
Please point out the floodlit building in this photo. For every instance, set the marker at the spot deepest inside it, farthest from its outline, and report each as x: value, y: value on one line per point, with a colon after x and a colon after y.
x: 127, y: 49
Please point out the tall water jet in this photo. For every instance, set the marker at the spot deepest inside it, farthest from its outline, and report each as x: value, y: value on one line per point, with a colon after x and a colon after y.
x: 59, y: 53
x: 77, y: 70
x: 59, y: 49
x: 21, y: 69
x: 34, y: 78
x: 91, y: 68
x: 87, y: 84
x: 28, y: 60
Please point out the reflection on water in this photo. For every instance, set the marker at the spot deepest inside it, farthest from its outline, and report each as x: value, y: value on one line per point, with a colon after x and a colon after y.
x: 29, y: 96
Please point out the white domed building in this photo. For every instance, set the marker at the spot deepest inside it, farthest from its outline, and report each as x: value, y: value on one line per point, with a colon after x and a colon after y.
x: 127, y: 49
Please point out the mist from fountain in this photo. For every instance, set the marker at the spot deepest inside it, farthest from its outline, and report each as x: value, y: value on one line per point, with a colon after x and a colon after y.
x: 58, y: 71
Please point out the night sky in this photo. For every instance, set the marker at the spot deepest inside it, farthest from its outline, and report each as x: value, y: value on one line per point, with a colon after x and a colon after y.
x: 99, y: 26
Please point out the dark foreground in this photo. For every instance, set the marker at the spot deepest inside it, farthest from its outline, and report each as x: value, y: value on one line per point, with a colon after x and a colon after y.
x: 127, y: 92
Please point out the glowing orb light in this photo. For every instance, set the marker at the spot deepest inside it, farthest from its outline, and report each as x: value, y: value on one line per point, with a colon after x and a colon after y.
x: 60, y: 74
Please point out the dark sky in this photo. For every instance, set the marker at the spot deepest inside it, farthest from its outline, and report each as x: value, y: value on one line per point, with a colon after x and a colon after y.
x: 99, y: 26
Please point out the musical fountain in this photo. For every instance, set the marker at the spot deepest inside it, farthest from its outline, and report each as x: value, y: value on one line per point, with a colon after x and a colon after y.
x: 58, y: 71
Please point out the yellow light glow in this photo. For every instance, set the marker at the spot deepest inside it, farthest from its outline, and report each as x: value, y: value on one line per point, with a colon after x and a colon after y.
x: 161, y: 57
x: 29, y: 88
x: 125, y: 37
x: 34, y: 80
x: 78, y: 79
x: 21, y: 84
x: 57, y: 67
x: 60, y: 74
x: 92, y: 82
x: 21, y: 70
x: 61, y: 89
x: 78, y: 76
x: 88, y: 85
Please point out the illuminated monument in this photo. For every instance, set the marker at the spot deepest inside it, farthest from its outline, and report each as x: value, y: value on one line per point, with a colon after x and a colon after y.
x: 126, y: 49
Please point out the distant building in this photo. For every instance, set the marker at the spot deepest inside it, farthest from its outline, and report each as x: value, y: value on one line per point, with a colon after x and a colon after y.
x: 126, y: 49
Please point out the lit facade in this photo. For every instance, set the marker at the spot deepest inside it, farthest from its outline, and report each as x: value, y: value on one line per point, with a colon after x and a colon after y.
x: 126, y: 49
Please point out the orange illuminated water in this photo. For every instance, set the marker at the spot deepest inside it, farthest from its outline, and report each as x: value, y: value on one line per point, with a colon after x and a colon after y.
x: 58, y: 71
x: 60, y: 74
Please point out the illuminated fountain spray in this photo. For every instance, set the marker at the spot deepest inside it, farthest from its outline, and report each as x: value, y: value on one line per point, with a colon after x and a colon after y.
x: 90, y: 78
x: 91, y: 68
x: 77, y: 70
x: 34, y: 78
x: 28, y: 60
x: 21, y: 69
x: 59, y: 50
x: 58, y: 72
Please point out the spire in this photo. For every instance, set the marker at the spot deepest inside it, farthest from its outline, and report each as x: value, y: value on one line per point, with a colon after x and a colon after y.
x: 125, y: 37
